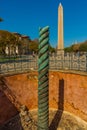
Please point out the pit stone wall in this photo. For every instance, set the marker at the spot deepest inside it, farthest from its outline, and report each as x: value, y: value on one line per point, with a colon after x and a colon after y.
x: 67, y: 90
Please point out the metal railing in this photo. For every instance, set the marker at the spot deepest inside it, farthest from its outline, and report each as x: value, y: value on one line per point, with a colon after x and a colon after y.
x: 24, y: 63
x: 69, y: 61
x: 16, y: 64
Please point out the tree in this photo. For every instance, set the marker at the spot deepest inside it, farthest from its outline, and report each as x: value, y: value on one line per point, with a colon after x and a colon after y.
x: 51, y: 49
x: 69, y: 49
x: 6, y: 39
x: 33, y: 46
x: 1, y: 19
x: 77, y: 47
x: 83, y: 47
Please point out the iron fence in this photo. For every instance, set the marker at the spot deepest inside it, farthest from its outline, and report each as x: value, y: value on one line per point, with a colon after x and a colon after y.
x: 24, y: 63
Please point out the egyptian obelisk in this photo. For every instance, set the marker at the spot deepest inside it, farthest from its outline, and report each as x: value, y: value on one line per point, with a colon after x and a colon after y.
x: 60, y: 46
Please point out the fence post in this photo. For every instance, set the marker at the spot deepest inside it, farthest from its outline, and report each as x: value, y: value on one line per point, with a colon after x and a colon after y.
x: 78, y: 61
x: 86, y: 61
x: 43, y: 79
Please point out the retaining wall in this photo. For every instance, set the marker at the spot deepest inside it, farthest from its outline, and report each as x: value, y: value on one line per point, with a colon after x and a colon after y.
x: 67, y: 90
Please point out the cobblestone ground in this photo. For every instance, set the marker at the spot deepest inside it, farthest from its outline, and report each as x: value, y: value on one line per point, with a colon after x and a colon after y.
x: 58, y: 121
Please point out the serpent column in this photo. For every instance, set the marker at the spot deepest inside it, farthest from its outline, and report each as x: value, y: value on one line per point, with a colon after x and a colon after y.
x: 43, y: 79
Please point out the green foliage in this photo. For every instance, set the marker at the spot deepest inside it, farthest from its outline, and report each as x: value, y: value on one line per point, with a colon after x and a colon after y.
x: 33, y: 46
x: 7, y: 39
x: 83, y: 47
x: 10, y: 39
x: 69, y: 49
x: 77, y: 47
x: 51, y: 49
x: 1, y: 19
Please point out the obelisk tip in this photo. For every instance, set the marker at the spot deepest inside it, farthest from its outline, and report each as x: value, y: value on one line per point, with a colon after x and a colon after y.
x: 60, y: 4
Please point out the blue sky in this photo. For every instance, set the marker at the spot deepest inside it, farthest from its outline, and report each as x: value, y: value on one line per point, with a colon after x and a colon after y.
x: 26, y: 16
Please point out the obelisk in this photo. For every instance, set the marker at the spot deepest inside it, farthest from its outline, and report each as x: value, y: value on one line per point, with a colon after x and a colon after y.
x: 60, y: 46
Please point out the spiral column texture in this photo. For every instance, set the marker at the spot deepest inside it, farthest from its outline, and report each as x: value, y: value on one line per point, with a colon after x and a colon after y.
x: 43, y: 79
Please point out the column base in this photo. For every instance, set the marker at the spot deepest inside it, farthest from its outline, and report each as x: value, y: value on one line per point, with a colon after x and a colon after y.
x: 60, y: 52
